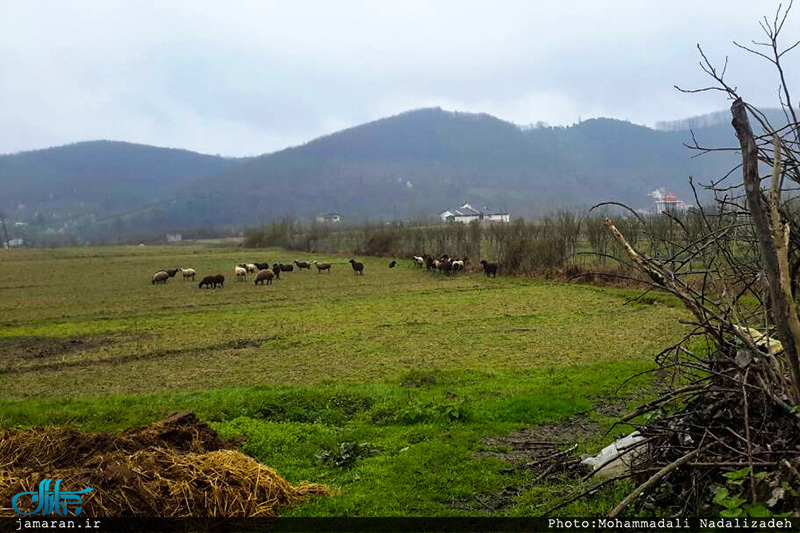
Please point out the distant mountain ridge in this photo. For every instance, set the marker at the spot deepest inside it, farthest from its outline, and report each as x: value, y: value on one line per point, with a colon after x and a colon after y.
x: 411, y: 165
x: 717, y: 118
x: 98, y: 177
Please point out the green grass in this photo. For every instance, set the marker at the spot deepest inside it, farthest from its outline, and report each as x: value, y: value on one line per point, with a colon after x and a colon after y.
x: 420, y: 366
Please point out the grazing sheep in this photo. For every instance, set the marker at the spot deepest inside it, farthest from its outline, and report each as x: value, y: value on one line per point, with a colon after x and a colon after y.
x: 358, y: 268
x: 490, y: 268
x: 260, y: 266
x: 287, y: 268
x: 172, y: 271
x: 240, y: 273
x: 393, y: 264
x: 457, y: 265
x: 276, y: 269
x: 160, y: 277
x: 188, y: 273
x: 208, y: 281
x: 322, y: 266
x: 430, y: 263
x: 219, y: 279
x: 419, y: 260
x: 446, y: 266
x: 303, y: 264
x: 249, y: 267
x: 265, y: 275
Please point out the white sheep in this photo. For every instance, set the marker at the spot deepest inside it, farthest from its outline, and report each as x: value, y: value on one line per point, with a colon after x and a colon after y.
x: 251, y: 268
x: 241, y: 273
x: 160, y: 277
x: 188, y: 273
x: 419, y: 261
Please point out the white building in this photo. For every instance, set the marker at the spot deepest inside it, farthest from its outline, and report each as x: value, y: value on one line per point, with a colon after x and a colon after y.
x: 174, y: 237
x: 466, y: 214
x: 325, y: 218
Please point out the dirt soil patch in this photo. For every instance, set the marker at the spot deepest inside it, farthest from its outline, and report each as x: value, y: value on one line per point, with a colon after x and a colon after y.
x: 176, y: 467
x: 30, y: 347
x: 546, y: 450
x: 532, y: 443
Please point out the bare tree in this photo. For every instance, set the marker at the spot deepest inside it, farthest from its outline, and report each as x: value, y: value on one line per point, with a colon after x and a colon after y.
x: 734, y: 388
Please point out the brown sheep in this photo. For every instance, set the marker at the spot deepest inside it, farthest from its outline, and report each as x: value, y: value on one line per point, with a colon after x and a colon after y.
x: 322, y: 266
x: 265, y: 275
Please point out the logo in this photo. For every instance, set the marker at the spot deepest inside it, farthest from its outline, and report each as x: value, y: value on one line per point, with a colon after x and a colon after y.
x: 51, y: 502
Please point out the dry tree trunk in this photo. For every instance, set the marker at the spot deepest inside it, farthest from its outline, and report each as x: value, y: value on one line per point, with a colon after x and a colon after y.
x: 783, y: 309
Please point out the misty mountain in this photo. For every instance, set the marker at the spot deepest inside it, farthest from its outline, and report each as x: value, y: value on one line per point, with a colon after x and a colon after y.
x: 419, y: 163
x: 98, y: 177
x: 412, y: 165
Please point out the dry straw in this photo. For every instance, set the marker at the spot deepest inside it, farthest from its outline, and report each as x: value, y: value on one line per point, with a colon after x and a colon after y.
x: 178, y: 467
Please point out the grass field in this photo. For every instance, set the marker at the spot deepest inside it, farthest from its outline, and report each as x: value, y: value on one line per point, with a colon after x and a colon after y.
x: 409, y: 378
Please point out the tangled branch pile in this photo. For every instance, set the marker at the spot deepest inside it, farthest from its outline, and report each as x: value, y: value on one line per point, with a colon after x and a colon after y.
x: 175, y: 468
x: 725, y: 438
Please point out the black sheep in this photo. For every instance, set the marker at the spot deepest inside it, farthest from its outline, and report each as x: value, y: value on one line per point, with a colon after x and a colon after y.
x: 219, y: 279
x: 303, y: 264
x: 261, y: 266
x: 446, y: 266
x: 430, y: 263
x: 172, y: 271
x: 490, y: 268
x: 276, y: 269
x: 286, y: 268
x: 393, y: 264
x: 208, y: 281
x: 358, y: 268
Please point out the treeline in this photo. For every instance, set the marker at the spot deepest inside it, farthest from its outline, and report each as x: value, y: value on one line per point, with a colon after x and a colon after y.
x: 566, y: 242
x: 563, y: 241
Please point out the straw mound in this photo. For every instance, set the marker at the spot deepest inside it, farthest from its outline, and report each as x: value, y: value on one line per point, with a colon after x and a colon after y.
x: 66, y: 446
x: 177, y: 467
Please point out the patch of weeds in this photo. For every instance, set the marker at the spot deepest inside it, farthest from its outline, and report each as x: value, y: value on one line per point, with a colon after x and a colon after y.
x: 732, y: 497
x: 290, y: 407
x: 303, y: 407
x: 452, y: 410
x: 350, y: 403
x: 347, y: 454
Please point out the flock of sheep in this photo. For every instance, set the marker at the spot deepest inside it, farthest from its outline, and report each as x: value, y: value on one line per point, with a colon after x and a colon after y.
x: 450, y: 266
x: 265, y: 273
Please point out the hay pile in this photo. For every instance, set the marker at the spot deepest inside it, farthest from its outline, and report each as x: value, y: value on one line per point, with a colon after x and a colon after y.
x: 177, y: 467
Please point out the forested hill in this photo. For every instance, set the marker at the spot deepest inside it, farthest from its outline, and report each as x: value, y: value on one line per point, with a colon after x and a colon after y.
x: 415, y: 164
x: 419, y: 163
x: 97, y: 177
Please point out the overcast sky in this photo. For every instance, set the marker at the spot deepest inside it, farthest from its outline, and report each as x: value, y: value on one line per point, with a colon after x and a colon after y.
x: 244, y: 78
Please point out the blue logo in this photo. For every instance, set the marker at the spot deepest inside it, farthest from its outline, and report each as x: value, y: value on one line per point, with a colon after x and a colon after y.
x: 51, y: 502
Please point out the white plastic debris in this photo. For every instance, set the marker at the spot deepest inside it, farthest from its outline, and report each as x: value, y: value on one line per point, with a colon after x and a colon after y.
x: 609, y: 457
x: 761, y: 340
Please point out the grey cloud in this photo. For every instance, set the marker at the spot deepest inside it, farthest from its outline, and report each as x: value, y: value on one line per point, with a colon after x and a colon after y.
x: 253, y: 77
